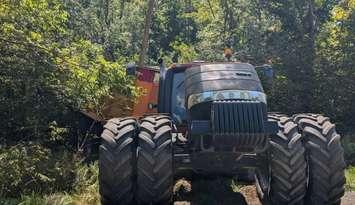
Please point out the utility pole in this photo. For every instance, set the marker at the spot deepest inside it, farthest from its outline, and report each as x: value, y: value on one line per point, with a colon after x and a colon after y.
x: 145, y: 40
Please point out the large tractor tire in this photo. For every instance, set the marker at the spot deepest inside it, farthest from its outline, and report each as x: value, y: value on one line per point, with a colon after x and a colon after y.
x: 286, y: 166
x: 325, y: 157
x: 155, y: 161
x: 117, y: 161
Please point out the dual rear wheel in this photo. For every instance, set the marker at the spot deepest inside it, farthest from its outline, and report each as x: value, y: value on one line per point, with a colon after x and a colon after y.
x: 136, y: 161
x: 325, y: 158
x: 305, y: 163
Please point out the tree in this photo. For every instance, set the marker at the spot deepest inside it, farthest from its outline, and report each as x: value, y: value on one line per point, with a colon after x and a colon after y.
x: 115, y: 25
x: 30, y: 32
x: 145, y: 39
x: 46, y: 73
x: 335, y: 64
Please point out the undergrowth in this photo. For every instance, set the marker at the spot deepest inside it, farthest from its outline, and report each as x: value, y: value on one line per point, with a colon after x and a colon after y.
x: 350, y: 178
x: 84, y: 191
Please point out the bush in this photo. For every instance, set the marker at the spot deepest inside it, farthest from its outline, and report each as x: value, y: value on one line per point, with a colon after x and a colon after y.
x: 28, y: 168
x: 46, y: 74
x: 84, y: 191
x: 9, y: 201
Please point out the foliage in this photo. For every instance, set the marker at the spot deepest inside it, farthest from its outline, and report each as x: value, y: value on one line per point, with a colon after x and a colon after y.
x: 349, y: 149
x: 28, y: 168
x: 172, y: 26
x: 9, y: 201
x: 87, y: 184
x: 59, y: 57
x: 238, y: 24
x: 31, y: 200
x: 350, y: 178
x: 29, y: 32
x: 335, y: 65
x: 90, y: 77
x: 46, y: 73
x: 115, y: 25
x: 84, y: 191
x: 185, y: 52
x: 83, y: 41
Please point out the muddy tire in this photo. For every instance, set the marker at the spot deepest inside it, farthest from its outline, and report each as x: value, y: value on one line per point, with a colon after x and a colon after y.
x: 117, y: 161
x: 325, y: 158
x: 155, y: 161
x: 286, y: 166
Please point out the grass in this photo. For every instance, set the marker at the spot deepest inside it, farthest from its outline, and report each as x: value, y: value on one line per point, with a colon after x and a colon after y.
x: 86, y: 190
x: 208, y: 191
x: 350, y: 178
x: 55, y: 199
x: 236, y: 187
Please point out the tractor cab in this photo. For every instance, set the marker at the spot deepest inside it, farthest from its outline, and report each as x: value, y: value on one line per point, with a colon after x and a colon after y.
x: 203, y: 97
x: 217, y: 108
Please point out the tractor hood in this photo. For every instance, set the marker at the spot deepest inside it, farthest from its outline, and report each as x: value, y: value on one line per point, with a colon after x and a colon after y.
x: 232, y: 81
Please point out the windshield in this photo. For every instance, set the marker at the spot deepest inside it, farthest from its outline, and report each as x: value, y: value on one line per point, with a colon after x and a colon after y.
x: 178, y: 109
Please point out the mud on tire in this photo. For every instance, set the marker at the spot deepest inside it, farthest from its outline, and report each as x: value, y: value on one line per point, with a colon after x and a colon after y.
x: 325, y: 159
x: 116, y: 161
x: 286, y: 165
x: 155, y: 161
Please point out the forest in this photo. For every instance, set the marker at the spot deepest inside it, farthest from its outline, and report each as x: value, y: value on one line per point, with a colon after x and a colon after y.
x: 58, y: 57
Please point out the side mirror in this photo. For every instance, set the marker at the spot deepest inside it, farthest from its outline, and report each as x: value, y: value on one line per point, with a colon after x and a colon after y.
x: 131, y: 69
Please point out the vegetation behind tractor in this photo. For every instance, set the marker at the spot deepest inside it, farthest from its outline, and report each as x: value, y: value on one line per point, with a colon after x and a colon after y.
x: 212, y: 119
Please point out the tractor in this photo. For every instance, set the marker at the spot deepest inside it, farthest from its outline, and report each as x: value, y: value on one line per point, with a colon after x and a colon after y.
x: 212, y: 119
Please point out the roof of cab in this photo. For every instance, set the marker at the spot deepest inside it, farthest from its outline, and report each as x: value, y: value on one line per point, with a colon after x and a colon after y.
x: 201, y: 63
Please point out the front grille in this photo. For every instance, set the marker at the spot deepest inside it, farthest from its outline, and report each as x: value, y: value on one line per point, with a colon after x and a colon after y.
x: 238, y: 123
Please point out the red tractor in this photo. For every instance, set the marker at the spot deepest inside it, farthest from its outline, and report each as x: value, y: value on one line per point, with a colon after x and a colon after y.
x: 212, y: 119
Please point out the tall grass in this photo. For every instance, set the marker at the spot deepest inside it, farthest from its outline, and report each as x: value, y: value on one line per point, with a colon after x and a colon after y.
x: 350, y: 178
x: 85, y: 191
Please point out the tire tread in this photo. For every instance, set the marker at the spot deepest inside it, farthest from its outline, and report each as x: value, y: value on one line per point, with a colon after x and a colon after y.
x: 325, y: 159
x: 116, y: 161
x: 154, y: 163
x: 288, y: 163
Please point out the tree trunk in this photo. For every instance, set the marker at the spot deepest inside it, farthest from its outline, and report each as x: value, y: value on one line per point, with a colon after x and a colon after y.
x: 122, y: 7
x: 145, y: 41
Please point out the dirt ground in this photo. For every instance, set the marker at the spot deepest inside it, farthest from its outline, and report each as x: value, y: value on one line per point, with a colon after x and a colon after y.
x: 349, y: 198
x: 217, y: 191
x: 222, y: 191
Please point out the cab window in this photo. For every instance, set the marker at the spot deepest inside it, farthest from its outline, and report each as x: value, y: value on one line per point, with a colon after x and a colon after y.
x: 178, y: 109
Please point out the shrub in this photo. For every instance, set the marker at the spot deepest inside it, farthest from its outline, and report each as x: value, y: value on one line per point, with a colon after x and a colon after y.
x: 84, y: 191
x: 9, y: 201
x: 28, y: 168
